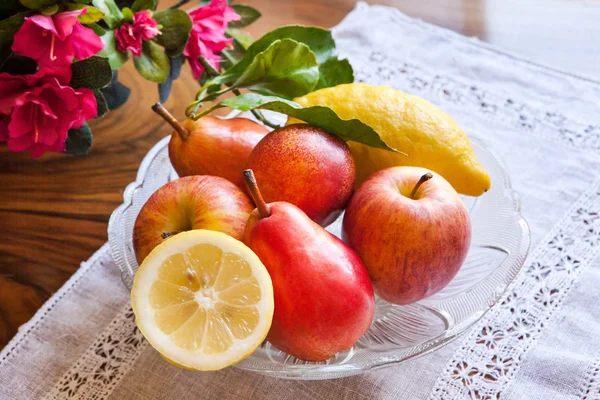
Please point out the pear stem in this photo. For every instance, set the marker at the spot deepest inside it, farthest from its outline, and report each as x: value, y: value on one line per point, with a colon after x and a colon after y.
x: 423, y: 179
x: 167, y: 116
x: 263, y: 208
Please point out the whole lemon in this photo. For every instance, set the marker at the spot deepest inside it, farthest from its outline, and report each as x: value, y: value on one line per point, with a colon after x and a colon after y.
x: 430, y: 137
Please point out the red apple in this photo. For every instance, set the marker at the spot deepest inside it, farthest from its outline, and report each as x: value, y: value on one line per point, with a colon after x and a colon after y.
x: 193, y: 202
x: 411, y: 230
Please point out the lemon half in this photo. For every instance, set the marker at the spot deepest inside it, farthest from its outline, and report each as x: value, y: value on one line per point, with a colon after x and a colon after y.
x: 203, y: 300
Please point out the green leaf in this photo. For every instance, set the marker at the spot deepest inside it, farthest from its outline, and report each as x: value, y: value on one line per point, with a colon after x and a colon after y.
x: 18, y: 65
x: 82, y: 1
x: 153, y: 63
x: 334, y: 72
x: 93, y: 73
x: 10, y: 26
x: 79, y: 141
x: 242, y: 38
x: 91, y: 16
x: 98, y: 30
x: 112, y: 14
x: 116, y: 58
x: 37, y: 4
x: 322, y: 117
x: 115, y: 94
x: 127, y: 14
x: 287, y: 69
x: 50, y: 10
x: 140, y: 5
x: 320, y: 42
x: 176, y: 28
x: 232, y: 56
x: 101, y: 102
x: 247, y: 13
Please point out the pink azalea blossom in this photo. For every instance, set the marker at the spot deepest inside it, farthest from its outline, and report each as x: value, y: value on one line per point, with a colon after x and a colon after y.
x: 208, y: 34
x: 53, y: 41
x: 37, y: 111
x: 129, y: 36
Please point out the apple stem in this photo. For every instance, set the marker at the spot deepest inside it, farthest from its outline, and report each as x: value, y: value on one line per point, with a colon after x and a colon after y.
x: 261, y: 205
x: 165, y: 235
x: 423, y: 179
x: 167, y: 116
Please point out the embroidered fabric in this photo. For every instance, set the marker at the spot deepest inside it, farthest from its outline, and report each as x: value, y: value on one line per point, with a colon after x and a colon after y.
x: 542, y: 122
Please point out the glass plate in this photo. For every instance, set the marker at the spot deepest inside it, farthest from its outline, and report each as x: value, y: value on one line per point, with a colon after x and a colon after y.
x: 499, y: 247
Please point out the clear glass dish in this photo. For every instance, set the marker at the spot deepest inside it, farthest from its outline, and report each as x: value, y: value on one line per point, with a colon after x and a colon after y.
x: 499, y: 247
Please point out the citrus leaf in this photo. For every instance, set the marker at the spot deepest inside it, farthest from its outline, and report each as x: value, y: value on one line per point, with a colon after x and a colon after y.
x: 98, y: 30
x: 112, y: 14
x: 79, y: 141
x: 248, y: 15
x: 334, y: 72
x: 140, y: 5
x: 286, y: 68
x: 93, y: 73
x: 153, y: 64
x: 101, y: 102
x: 242, y: 38
x: 91, y: 16
x: 322, y: 117
x: 116, y: 58
x: 175, y: 31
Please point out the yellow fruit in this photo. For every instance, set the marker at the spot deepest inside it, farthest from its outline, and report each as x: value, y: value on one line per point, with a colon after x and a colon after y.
x: 429, y: 136
x: 203, y: 300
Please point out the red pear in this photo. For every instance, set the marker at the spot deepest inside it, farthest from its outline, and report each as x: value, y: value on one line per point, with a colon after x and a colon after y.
x: 324, y: 300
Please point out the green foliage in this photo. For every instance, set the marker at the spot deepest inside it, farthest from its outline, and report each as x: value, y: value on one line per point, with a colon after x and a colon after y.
x: 116, y: 58
x: 140, y: 5
x: 176, y: 28
x: 79, y: 141
x: 287, y: 68
x: 37, y: 4
x: 50, y: 10
x: 153, y: 63
x: 101, y: 102
x: 91, y: 16
x: 322, y: 117
x: 10, y: 26
x: 112, y: 13
x: 248, y: 15
x: 93, y: 73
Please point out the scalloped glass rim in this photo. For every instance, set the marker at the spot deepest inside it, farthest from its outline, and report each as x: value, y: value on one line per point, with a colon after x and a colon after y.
x: 499, y: 247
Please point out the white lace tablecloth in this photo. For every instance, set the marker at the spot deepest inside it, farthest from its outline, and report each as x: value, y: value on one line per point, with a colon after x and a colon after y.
x: 540, y: 342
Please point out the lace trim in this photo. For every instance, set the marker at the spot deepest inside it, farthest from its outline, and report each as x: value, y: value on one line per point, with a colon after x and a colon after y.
x: 590, y: 389
x: 491, y: 355
x: 104, y: 364
x: 14, y: 346
x: 377, y: 68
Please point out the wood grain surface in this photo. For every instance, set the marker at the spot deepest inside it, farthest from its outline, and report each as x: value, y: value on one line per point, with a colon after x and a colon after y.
x: 54, y: 211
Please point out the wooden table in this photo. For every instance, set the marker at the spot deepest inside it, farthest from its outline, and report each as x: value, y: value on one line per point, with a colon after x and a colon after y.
x: 54, y: 211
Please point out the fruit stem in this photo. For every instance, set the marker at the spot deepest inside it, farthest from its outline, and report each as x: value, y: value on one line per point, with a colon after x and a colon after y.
x: 165, y: 235
x: 263, y: 208
x: 167, y: 116
x: 423, y: 179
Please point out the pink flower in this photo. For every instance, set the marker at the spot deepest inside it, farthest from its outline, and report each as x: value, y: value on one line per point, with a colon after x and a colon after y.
x: 208, y: 34
x: 129, y: 36
x: 38, y: 110
x: 53, y: 41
